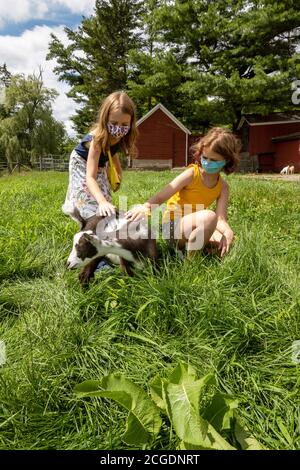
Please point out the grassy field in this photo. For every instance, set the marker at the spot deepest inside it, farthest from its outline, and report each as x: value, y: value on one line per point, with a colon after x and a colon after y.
x: 236, y: 318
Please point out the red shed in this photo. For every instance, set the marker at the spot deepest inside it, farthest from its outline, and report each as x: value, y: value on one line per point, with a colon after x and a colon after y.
x: 285, y: 146
x: 163, y: 141
x: 260, y: 148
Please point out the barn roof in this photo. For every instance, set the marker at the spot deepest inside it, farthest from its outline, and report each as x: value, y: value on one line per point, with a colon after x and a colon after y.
x: 284, y: 138
x: 273, y: 118
x: 168, y: 113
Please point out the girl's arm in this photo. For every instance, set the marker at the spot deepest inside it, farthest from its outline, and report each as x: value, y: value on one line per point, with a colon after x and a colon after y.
x: 221, y: 209
x: 222, y: 225
x: 105, y: 207
x: 176, y: 184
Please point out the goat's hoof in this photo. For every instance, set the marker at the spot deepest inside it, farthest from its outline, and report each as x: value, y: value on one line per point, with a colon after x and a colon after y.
x: 84, y: 279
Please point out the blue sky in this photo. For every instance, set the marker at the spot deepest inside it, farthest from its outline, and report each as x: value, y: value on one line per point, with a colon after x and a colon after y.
x: 25, y: 29
x: 62, y: 17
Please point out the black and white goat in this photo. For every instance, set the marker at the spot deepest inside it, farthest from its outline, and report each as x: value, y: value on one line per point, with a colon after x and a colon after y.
x: 114, y: 237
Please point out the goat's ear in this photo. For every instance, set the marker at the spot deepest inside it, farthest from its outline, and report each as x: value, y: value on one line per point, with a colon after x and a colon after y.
x: 90, y: 237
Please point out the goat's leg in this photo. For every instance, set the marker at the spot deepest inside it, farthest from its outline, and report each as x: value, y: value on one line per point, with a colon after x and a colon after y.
x: 152, y: 250
x: 87, y: 273
x: 126, y: 266
x: 152, y: 253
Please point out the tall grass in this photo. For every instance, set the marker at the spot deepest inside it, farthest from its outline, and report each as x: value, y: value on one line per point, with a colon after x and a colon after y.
x: 237, y: 317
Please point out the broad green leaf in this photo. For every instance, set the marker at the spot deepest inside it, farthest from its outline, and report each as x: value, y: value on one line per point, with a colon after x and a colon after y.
x: 92, y: 388
x: 220, y: 412
x: 208, y: 379
x: 144, y: 422
x: 165, y: 383
x: 218, y: 442
x: 244, y: 438
x: 120, y: 396
x: 88, y: 388
x: 214, y: 442
x: 183, y: 411
x: 182, y: 373
x: 135, y: 432
x: 156, y: 391
x: 187, y: 446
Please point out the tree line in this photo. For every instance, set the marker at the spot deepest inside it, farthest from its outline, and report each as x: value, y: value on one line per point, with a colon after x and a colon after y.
x: 28, y: 128
x: 207, y: 61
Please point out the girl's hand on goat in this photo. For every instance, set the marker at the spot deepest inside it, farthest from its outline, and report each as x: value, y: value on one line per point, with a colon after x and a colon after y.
x: 139, y: 212
x: 106, y: 208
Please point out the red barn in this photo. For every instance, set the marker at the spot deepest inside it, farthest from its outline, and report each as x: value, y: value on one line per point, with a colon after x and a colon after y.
x: 287, y: 145
x: 163, y: 141
x: 270, y: 142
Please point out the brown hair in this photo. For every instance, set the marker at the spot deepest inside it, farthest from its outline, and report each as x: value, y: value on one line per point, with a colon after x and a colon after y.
x: 118, y: 100
x: 223, y: 142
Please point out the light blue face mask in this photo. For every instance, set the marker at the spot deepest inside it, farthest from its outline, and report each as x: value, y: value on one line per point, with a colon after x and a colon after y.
x: 212, y: 167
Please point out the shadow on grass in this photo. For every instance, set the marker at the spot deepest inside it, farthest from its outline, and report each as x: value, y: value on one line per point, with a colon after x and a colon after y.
x: 9, y: 309
x: 24, y: 273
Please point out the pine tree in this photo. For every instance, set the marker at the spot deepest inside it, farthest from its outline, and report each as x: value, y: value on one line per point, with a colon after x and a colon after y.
x: 207, y: 61
x: 155, y: 73
x: 240, y: 56
x: 95, y: 63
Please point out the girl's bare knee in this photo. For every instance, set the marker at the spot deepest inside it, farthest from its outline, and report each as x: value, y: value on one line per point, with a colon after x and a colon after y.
x: 211, y: 214
x: 210, y: 219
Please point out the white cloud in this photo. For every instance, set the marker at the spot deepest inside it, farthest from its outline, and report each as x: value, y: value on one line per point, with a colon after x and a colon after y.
x: 26, y: 53
x: 22, y: 10
x: 76, y: 6
x: 25, y: 10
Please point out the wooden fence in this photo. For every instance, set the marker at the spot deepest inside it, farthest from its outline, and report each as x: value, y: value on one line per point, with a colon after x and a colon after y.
x: 45, y: 162
x: 54, y: 162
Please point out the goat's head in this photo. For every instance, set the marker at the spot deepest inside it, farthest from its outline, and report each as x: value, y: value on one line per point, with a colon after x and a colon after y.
x: 87, y: 246
x: 83, y: 250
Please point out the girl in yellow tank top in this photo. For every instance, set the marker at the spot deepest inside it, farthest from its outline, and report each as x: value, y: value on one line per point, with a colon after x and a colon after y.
x: 195, y: 193
x: 188, y: 196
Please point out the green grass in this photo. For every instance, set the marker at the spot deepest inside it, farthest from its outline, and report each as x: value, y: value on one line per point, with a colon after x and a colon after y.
x: 237, y: 317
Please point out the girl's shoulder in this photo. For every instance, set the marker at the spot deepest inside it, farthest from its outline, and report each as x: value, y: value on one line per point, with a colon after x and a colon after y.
x: 194, y: 166
x: 194, y: 169
x: 189, y: 175
x: 87, y: 137
x: 86, y: 141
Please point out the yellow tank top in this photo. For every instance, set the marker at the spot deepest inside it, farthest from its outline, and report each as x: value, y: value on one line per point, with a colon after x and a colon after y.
x: 194, y: 193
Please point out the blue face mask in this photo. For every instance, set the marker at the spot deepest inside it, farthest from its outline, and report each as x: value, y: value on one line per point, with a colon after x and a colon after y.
x: 212, y: 167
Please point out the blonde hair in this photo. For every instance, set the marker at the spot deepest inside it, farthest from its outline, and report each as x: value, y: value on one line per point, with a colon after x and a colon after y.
x: 223, y: 142
x: 118, y: 100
